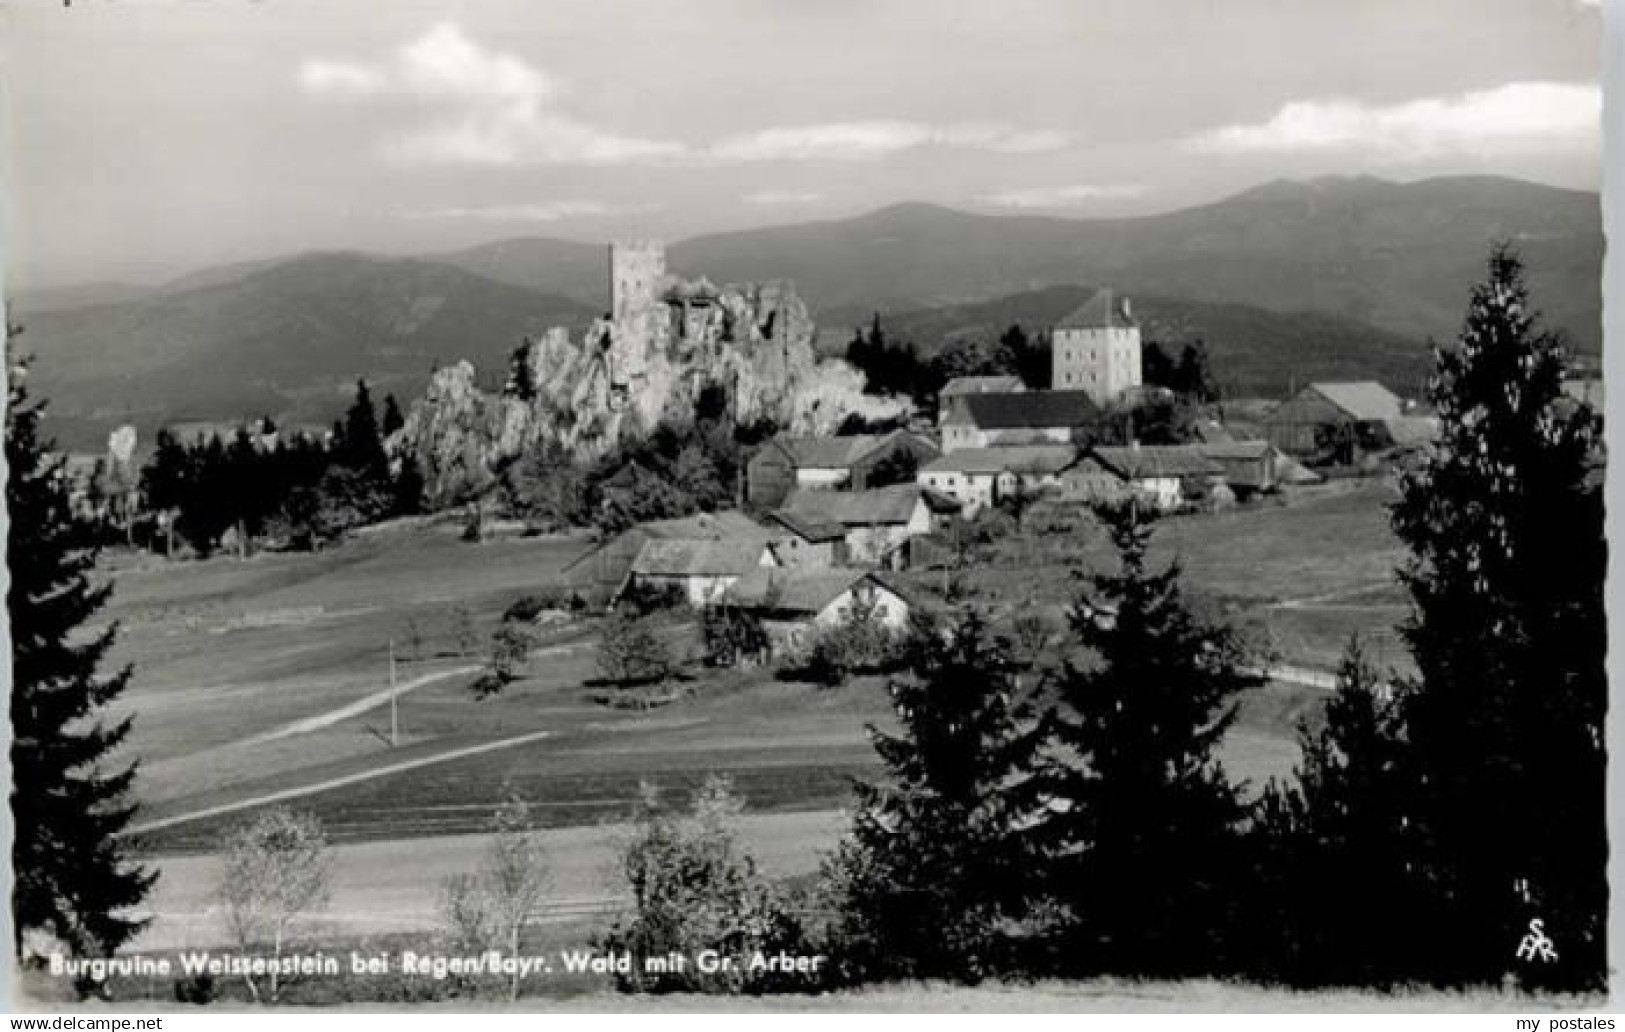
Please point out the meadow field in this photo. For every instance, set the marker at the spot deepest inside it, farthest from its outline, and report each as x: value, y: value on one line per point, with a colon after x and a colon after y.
x: 266, y: 680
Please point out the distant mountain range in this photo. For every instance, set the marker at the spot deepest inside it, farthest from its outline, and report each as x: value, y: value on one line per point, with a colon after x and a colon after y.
x: 287, y: 339
x: 1289, y: 281
x: 1397, y: 256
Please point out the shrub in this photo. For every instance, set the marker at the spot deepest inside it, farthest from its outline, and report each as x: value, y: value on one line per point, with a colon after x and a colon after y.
x: 462, y: 629
x: 730, y: 636
x: 859, y: 643
x: 275, y: 870
x: 694, y: 889
x: 630, y: 652
x: 527, y: 608
x: 489, y: 908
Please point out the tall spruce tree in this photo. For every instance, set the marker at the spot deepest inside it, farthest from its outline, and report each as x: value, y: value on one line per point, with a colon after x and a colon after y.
x: 362, y: 446
x: 1504, y: 720
x: 1145, y: 857
x: 393, y: 420
x: 935, y: 879
x: 70, y: 799
x: 1334, y: 848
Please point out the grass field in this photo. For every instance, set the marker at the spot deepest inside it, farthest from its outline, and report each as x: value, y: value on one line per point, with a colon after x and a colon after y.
x: 227, y: 652
x: 1301, y: 572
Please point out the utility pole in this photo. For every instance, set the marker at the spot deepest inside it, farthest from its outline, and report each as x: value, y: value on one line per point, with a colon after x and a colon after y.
x: 394, y: 714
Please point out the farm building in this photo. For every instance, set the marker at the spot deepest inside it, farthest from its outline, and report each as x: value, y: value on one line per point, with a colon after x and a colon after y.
x: 846, y: 463
x: 1335, y: 422
x: 1249, y: 466
x: 597, y: 576
x: 878, y: 522
x: 808, y: 542
x: 962, y: 385
x: 698, y: 572
x: 986, y: 476
x: 1089, y: 482
x: 793, y: 603
x: 1163, y: 475
x: 1020, y: 417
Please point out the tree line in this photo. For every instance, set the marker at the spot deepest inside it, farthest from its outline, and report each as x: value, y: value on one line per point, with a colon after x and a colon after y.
x: 298, y: 489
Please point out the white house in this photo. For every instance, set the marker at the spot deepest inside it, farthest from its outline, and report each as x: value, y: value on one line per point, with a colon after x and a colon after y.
x: 985, y: 420
x: 986, y: 476
x: 698, y: 571
x: 879, y: 523
x: 1162, y: 475
x: 792, y: 603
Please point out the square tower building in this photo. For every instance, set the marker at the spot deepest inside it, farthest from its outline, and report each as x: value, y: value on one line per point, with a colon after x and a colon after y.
x: 1097, y: 349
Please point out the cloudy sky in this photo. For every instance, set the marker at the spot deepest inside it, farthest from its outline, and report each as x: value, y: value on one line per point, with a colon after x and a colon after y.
x: 145, y: 139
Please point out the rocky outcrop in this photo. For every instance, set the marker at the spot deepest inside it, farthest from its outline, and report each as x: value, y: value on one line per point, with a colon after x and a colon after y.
x: 648, y: 361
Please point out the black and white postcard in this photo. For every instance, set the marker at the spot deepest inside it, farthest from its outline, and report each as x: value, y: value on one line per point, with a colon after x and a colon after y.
x: 737, y: 504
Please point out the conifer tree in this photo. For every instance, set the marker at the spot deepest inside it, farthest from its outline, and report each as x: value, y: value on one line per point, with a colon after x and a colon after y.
x: 393, y: 420
x: 362, y: 447
x: 1145, y: 855
x: 1504, y: 719
x: 70, y: 800
x: 1344, y: 822
x: 934, y: 880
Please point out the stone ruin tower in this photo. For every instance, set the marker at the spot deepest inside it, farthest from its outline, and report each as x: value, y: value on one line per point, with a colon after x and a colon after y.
x: 637, y: 274
x: 637, y: 281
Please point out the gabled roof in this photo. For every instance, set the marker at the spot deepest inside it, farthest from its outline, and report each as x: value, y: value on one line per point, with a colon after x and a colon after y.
x: 1021, y: 458
x: 1106, y: 309
x: 1365, y: 400
x: 1088, y: 466
x: 801, y: 591
x: 705, y: 526
x: 1236, y: 450
x: 833, y: 452
x: 1006, y: 384
x: 678, y: 558
x: 1023, y: 410
x: 1156, y: 460
x: 1412, y: 431
x: 809, y: 527
x: 724, y: 525
x: 881, y: 506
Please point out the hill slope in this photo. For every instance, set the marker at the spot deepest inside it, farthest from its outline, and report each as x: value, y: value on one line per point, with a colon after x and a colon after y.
x: 1398, y: 256
x: 1255, y: 352
x: 288, y: 339
x: 568, y: 268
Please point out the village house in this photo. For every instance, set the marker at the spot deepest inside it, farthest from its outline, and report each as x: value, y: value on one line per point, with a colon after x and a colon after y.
x: 808, y: 542
x: 793, y: 604
x: 962, y: 385
x: 1096, y: 349
x: 850, y: 463
x: 880, y: 522
x: 1020, y: 417
x: 1250, y: 467
x: 976, y: 477
x: 1335, y: 423
x: 1163, y: 475
x: 697, y: 572
x: 598, y: 575
x: 1089, y: 482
